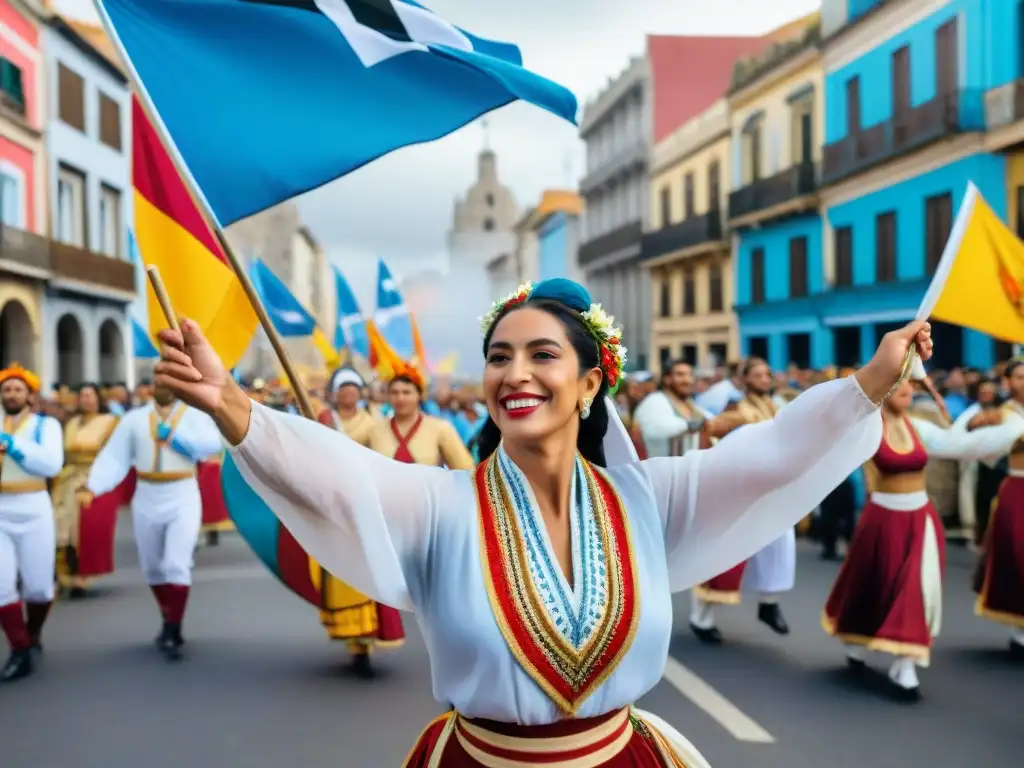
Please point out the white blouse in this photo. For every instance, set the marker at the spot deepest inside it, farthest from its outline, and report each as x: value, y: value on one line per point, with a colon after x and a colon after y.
x: 410, y: 536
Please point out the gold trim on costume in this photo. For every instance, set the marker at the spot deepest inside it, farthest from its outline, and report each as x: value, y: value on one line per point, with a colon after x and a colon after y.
x: 916, y: 651
x: 174, y: 418
x: 23, y: 486
x: 164, y: 477
x: 581, y: 671
x: 980, y: 609
x: 553, y: 744
x: 718, y: 596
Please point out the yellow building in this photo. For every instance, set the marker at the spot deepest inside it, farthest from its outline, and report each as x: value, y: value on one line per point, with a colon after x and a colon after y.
x: 777, y: 112
x: 686, y: 249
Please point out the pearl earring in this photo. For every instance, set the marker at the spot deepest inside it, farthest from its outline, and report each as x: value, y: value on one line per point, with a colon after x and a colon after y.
x: 585, y: 410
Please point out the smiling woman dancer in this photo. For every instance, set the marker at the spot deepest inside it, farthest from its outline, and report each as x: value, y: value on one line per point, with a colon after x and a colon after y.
x: 566, y: 567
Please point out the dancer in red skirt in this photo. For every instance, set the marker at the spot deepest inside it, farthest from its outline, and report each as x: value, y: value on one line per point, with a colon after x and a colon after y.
x: 888, y: 595
x: 1001, y: 586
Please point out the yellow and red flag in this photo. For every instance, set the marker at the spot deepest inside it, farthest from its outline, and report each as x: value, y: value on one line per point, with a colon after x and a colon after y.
x: 979, y: 282
x: 173, y: 236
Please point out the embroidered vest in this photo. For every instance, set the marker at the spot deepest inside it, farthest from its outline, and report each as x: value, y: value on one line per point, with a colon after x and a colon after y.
x: 568, y: 640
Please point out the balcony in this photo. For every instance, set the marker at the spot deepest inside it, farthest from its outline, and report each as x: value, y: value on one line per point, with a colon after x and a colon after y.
x: 694, y: 231
x: 621, y: 239
x: 919, y: 126
x: 69, y: 262
x: 24, y: 251
x: 764, y: 194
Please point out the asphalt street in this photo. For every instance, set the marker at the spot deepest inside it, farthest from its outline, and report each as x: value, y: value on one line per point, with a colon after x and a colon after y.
x: 261, y: 687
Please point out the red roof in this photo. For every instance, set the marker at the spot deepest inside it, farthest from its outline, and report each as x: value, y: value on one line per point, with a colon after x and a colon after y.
x: 689, y: 74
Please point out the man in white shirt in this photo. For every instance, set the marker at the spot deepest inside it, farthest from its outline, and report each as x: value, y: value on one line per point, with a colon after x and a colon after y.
x: 31, y: 451
x: 163, y: 440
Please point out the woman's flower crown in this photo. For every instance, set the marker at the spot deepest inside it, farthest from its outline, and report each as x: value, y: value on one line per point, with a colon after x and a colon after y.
x: 598, y: 323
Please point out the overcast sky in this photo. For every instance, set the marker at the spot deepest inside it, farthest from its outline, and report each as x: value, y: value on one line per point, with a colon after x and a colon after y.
x: 400, y: 207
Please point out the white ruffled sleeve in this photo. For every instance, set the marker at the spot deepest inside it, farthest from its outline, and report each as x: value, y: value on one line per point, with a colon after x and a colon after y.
x: 720, y: 506
x: 985, y: 444
x: 369, y: 520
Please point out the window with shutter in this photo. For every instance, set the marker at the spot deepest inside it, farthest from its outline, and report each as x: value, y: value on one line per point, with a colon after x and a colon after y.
x: 885, y: 247
x: 938, y: 215
x: 798, y: 267
x: 757, y: 276
x: 70, y: 98
x: 110, y: 122
x: 843, y: 272
x: 716, y: 299
x: 689, y: 292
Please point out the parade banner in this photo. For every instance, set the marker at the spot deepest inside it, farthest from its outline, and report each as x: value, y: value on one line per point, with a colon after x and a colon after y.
x: 173, y: 236
x: 979, y: 281
x: 265, y: 100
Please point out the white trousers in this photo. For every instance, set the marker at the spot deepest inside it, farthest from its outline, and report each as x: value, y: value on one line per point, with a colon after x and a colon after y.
x: 167, y: 518
x: 27, y: 548
x: 773, y: 568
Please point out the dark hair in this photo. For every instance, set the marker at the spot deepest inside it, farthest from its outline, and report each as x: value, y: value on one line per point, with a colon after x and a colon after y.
x: 403, y: 379
x: 590, y: 441
x: 1011, y: 367
x: 751, y: 363
x: 95, y: 388
x: 668, y: 368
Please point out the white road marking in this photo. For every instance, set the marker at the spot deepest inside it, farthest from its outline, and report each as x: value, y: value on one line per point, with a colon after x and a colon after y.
x: 728, y: 715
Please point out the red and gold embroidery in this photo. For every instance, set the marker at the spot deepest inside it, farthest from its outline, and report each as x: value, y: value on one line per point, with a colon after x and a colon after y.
x: 566, y: 674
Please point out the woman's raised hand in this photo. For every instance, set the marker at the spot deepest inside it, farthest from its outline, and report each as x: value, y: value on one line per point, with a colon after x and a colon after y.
x: 881, y: 374
x: 190, y: 368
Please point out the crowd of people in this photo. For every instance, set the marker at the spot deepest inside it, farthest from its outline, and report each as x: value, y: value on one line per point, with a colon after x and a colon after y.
x: 947, y: 450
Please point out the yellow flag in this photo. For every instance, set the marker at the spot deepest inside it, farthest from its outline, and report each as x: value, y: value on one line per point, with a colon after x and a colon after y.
x: 979, y: 282
x: 330, y: 355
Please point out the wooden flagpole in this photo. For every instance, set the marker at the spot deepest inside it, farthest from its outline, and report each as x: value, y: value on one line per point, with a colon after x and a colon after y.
x: 203, y: 206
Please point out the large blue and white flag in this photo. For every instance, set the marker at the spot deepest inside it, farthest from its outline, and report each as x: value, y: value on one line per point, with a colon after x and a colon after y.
x: 350, y: 331
x: 266, y: 99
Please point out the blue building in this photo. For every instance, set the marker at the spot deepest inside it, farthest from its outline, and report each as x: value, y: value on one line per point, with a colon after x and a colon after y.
x: 911, y: 92
x: 558, y: 236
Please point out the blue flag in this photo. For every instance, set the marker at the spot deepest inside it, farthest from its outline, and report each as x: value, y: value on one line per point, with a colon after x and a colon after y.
x: 290, y: 318
x: 392, y: 316
x: 351, y: 326
x: 267, y: 99
x: 142, y: 345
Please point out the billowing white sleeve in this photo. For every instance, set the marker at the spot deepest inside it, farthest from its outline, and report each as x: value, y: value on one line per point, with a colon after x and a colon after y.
x: 720, y: 506
x: 960, y: 425
x: 368, y: 519
x: 200, y: 436
x: 987, y: 444
x: 658, y: 420
x: 45, y: 458
x: 115, y: 458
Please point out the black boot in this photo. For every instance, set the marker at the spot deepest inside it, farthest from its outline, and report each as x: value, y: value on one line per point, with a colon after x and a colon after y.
x: 361, y: 665
x: 708, y: 636
x: 212, y: 538
x: 771, y: 614
x: 19, y: 665
x: 170, y: 641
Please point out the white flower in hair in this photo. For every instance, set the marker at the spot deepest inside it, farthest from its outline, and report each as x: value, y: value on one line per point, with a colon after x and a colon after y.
x: 601, y: 322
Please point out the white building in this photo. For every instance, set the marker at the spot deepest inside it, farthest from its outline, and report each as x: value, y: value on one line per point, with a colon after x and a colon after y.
x: 87, y: 331
x: 616, y: 127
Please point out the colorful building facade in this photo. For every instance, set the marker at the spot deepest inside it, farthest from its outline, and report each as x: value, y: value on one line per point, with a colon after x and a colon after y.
x: 906, y: 129
x: 776, y: 107
x: 23, y: 253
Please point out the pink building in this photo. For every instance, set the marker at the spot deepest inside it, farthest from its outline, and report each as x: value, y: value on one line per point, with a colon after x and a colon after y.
x: 21, y: 143
x: 24, y: 257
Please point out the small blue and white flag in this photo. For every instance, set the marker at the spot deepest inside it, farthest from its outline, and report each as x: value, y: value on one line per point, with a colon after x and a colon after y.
x: 267, y: 99
x: 289, y: 317
x: 350, y: 331
x: 392, y: 317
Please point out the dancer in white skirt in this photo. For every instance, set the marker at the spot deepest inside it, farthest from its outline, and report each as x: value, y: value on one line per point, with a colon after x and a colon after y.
x: 543, y: 579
